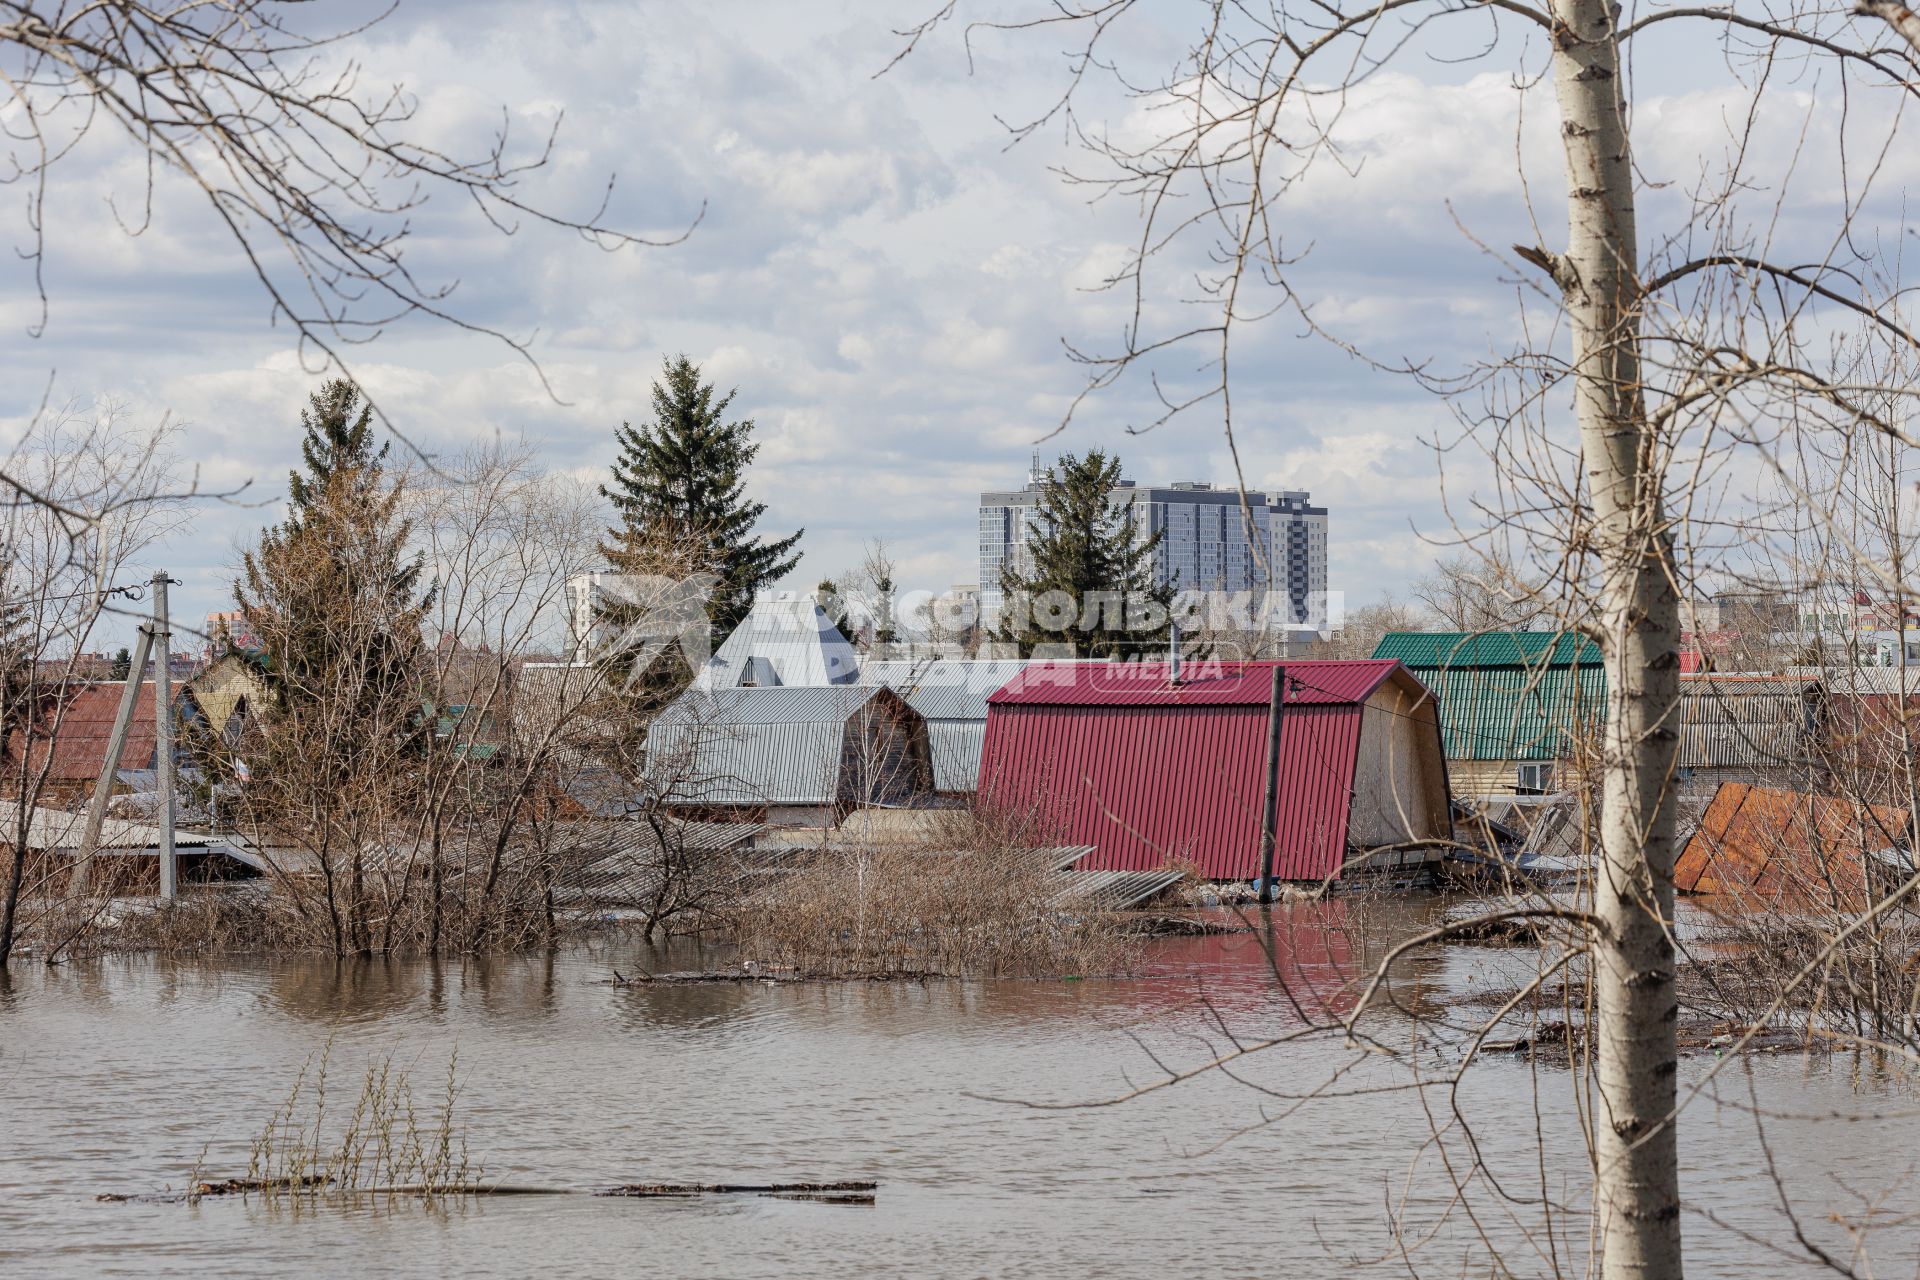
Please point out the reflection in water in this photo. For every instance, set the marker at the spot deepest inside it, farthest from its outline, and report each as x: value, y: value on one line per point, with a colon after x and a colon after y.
x: 121, y: 1071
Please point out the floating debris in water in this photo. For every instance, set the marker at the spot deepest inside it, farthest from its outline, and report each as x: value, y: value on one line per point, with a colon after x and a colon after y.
x: 855, y: 1192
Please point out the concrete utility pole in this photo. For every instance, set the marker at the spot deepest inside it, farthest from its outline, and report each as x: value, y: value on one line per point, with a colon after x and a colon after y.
x: 163, y: 733
x: 110, y: 763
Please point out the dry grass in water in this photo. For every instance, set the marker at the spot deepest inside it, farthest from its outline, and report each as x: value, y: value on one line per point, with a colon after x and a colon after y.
x: 387, y: 1144
x: 971, y: 898
x: 269, y: 916
x: 206, y: 921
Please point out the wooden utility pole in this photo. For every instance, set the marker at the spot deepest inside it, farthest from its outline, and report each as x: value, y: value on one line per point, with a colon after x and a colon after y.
x: 1270, y: 811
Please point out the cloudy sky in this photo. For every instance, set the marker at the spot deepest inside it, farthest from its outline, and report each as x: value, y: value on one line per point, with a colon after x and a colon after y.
x: 884, y: 280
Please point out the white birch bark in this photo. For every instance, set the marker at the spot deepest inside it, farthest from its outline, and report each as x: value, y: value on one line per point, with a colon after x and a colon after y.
x: 1902, y: 19
x: 1636, y: 1175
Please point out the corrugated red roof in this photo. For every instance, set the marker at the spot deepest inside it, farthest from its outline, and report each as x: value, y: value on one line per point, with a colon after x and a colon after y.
x: 1768, y: 844
x: 1149, y: 773
x: 1206, y: 683
x: 84, y: 720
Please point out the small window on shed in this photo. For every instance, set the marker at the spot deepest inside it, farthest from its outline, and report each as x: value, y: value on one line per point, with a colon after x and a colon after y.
x: 759, y: 673
x: 1534, y: 779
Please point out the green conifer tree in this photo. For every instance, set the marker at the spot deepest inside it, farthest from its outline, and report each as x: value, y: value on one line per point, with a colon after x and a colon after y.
x: 333, y: 592
x: 1091, y: 579
x: 682, y: 478
x: 16, y: 674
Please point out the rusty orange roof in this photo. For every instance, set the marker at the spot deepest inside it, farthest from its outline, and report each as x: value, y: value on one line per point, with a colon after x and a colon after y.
x: 1775, y: 845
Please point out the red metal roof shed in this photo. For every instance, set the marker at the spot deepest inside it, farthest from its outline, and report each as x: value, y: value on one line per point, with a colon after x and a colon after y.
x: 1148, y: 771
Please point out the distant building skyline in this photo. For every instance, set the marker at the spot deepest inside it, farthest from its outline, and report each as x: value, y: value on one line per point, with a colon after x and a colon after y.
x: 1204, y: 547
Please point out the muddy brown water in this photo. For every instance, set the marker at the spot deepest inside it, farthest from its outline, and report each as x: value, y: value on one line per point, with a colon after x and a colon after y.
x: 118, y: 1073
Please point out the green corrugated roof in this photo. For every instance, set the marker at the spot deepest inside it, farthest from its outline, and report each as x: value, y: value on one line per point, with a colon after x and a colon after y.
x: 1424, y: 649
x: 1505, y: 695
x: 1512, y: 713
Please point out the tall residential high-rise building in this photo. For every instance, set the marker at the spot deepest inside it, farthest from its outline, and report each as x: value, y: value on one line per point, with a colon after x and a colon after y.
x: 1298, y: 533
x: 1205, y: 544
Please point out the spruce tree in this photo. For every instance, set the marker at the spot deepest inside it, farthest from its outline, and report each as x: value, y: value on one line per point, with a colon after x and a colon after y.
x: 1084, y: 551
x: 333, y: 591
x: 16, y: 674
x: 682, y: 478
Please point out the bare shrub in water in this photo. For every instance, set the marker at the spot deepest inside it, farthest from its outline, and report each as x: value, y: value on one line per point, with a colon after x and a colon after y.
x: 974, y: 894
x: 1825, y: 977
x: 64, y: 571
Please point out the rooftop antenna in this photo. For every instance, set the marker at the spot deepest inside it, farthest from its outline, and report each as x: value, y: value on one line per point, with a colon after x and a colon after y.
x: 1035, y: 473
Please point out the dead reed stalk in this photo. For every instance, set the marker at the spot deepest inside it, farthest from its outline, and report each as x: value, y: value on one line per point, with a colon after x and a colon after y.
x: 387, y: 1144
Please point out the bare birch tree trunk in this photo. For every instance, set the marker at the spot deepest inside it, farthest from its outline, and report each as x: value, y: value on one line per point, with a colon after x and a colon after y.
x: 1636, y: 1187
x: 1898, y: 16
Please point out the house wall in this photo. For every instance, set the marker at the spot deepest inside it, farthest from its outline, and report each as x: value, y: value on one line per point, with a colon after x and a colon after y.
x: 1399, y: 781
x: 1144, y: 785
x: 221, y: 687
x: 797, y: 815
x: 1481, y: 777
x: 1869, y: 737
x: 1488, y: 777
x: 1702, y: 783
x: 1148, y: 785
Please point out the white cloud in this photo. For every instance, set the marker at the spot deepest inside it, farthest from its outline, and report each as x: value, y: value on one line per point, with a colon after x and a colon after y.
x: 885, y: 284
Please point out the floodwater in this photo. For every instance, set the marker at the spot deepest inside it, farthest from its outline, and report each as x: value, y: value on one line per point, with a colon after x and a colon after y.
x: 119, y: 1074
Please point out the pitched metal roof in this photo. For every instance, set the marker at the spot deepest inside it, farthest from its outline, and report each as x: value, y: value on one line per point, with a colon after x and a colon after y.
x: 58, y: 829
x: 1861, y: 682
x: 623, y: 862
x: 753, y: 764
x: 755, y: 746
x: 952, y: 694
x: 1151, y: 774
x: 946, y: 688
x: 1112, y: 890
x: 1515, y: 713
x: 1204, y: 683
x: 956, y: 746
x: 1422, y: 649
x: 1506, y: 695
x: 1736, y: 683
x: 1747, y: 720
x: 770, y: 704
x: 84, y: 714
x: 1770, y: 844
x: 786, y: 637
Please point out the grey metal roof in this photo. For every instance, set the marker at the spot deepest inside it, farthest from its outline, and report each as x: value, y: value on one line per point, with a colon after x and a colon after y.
x: 621, y: 862
x: 1112, y: 890
x: 956, y: 746
x: 945, y: 688
x: 758, y: 764
x: 780, y: 745
x: 58, y: 829
x: 1865, y: 681
x: 952, y: 694
x: 788, y: 634
x: 778, y: 704
x: 1747, y: 721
